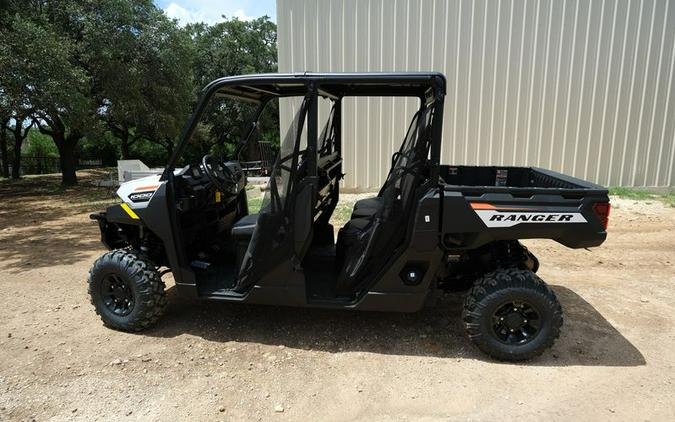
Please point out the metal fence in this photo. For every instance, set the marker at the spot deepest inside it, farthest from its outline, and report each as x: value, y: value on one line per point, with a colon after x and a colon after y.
x: 262, y: 166
x: 579, y: 86
x: 31, y: 164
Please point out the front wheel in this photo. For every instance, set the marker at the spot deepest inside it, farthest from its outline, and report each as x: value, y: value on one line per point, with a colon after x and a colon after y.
x: 126, y: 291
x: 511, y: 314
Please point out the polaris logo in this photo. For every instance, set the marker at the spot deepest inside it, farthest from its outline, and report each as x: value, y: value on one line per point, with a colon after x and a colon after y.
x: 141, y: 196
x: 494, y: 218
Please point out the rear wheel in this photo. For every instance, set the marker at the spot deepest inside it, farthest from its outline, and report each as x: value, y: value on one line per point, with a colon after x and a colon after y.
x: 126, y: 291
x: 511, y: 314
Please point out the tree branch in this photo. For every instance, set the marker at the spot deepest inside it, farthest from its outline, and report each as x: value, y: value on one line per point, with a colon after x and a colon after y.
x: 27, y: 128
x: 43, y: 129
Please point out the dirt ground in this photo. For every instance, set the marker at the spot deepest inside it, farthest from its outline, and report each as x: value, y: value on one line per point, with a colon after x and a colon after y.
x: 615, y: 359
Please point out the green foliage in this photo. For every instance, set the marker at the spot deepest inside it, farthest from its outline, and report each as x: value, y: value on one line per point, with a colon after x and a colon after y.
x: 152, y: 154
x: 148, y: 91
x: 104, y: 146
x: 40, y: 145
x: 228, y: 48
x: 233, y: 47
x: 41, y: 70
x: 114, y: 78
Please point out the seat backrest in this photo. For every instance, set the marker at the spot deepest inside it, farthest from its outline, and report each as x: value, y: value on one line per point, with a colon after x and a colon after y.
x: 284, y: 225
x: 398, y: 195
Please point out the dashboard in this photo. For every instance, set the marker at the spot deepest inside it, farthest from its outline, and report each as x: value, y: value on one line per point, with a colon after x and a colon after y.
x: 196, y: 192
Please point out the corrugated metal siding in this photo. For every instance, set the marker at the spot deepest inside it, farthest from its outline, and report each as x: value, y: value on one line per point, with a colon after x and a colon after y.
x: 578, y: 86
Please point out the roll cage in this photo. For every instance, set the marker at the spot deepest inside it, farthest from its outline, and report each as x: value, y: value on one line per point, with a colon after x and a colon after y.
x: 261, y: 88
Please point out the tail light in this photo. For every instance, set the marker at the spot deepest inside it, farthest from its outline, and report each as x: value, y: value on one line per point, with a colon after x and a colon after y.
x: 601, y: 210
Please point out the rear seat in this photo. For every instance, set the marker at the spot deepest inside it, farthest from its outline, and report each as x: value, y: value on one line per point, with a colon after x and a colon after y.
x: 367, y: 207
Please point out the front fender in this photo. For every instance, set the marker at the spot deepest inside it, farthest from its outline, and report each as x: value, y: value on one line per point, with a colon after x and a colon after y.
x: 118, y: 228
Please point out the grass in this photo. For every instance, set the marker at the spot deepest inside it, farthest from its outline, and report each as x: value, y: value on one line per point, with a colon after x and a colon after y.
x: 643, y: 195
x: 254, y: 204
x: 340, y: 216
x: 342, y: 213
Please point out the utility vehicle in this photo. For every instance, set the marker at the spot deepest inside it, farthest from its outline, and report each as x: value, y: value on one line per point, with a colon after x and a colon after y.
x: 432, y: 228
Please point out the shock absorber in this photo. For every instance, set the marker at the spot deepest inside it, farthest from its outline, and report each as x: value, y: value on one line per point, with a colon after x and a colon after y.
x: 151, y: 246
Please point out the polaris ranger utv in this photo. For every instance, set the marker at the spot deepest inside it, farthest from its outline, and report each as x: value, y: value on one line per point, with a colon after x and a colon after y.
x: 431, y: 228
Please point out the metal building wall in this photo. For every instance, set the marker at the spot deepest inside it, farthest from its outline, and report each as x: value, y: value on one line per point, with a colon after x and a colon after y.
x: 578, y: 86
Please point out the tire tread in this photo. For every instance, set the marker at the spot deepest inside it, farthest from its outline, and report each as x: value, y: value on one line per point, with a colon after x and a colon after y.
x: 496, y: 282
x: 140, y: 270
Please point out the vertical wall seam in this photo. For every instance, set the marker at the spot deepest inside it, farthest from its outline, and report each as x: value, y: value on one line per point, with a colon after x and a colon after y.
x: 666, y: 114
x: 514, y: 145
x: 494, y: 83
x: 505, y: 103
x: 570, y: 74
x: 656, y: 95
x: 445, y: 65
x: 531, y: 89
x: 580, y: 104
x: 544, y: 87
x: 454, y: 118
x: 636, y: 49
x: 554, y: 116
x: 595, y: 82
x: 645, y: 79
x: 618, y: 93
x: 468, y: 87
x: 482, y: 83
x: 642, y: 101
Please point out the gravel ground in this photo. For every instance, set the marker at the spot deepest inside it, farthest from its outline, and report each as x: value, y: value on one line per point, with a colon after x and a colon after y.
x: 209, y: 361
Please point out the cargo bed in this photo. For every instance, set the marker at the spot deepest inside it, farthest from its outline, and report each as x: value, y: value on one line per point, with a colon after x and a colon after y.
x: 484, y: 204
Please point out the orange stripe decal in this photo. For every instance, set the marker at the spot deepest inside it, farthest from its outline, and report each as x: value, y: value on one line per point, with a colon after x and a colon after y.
x: 486, y: 206
x: 140, y: 188
x: 482, y: 206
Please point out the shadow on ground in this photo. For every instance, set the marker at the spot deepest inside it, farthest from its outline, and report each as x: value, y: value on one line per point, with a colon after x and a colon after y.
x: 43, y: 224
x: 587, y: 339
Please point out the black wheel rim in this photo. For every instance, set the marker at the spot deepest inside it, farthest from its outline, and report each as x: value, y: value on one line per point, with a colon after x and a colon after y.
x: 516, y: 323
x: 117, y: 295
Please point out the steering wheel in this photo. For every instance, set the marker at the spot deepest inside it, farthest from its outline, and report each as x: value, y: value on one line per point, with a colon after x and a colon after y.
x: 220, y: 175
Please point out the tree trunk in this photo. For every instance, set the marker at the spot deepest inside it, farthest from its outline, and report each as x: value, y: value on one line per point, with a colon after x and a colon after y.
x: 168, y: 146
x: 67, y: 146
x: 20, y: 134
x: 68, y: 162
x: 16, y: 163
x: 122, y: 133
x: 124, y: 147
x: 3, y: 152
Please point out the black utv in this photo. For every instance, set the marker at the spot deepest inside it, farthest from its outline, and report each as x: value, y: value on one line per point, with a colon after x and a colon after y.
x: 431, y: 228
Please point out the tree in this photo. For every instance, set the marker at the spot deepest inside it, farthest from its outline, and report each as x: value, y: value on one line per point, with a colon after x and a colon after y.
x: 77, y: 49
x: 15, y: 117
x: 4, y: 155
x: 5, y: 115
x: 233, y: 47
x: 22, y: 124
x: 82, y: 69
x: 43, y: 74
x: 149, y: 95
x: 15, y: 107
